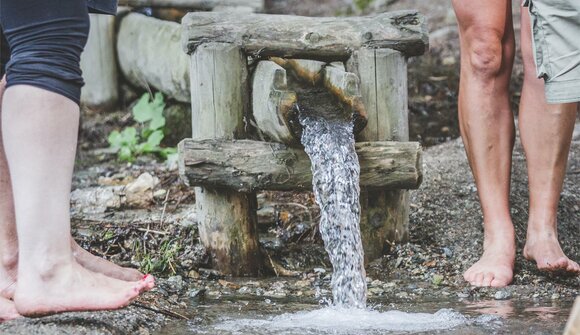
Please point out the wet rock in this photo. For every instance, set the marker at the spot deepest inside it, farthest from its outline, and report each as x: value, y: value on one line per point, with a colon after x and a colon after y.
x: 502, y: 295
x: 376, y: 290
x: 175, y: 284
x: 244, y: 290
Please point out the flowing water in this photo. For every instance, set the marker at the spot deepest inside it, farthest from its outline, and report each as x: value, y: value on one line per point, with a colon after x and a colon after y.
x: 336, y: 170
x: 335, y: 180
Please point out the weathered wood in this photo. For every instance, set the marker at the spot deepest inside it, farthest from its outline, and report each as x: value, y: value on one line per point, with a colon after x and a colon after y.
x: 227, y: 219
x: 272, y: 102
x: 257, y: 5
x: 346, y: 87
x: 383, y: 78
x: 99, y: 64
x: 308, y: 70
x: 150, y: 55
x: 254, y: 165
x: 327, y: 38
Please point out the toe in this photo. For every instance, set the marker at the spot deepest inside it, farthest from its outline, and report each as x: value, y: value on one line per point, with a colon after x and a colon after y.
x: 478, y: 279
x: 487, y: 279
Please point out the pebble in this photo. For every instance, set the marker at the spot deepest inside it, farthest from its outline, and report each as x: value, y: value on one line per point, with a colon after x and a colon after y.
x: 502, y: 295
x: 376, y: 290
x: 175, y: 283
x: 555, y: 296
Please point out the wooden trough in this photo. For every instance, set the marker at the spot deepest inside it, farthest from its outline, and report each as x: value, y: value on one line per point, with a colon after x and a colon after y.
x: 361, y: 62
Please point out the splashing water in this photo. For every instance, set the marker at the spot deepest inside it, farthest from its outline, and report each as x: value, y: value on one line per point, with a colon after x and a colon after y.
x: 335, y: 180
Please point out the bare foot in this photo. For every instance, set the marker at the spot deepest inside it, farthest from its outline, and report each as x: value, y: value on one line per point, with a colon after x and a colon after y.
x: 7, y: 310
x: 496, y: 266
x: 71, y: 287
x: 100, y: 265
x: 8, y: 278
x: 542, y: 246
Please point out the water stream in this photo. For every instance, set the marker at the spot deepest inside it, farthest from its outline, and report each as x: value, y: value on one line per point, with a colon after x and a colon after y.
x: 335, y: 180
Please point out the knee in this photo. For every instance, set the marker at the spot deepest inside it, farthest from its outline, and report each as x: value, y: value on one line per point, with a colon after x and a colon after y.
x: 485, y: 52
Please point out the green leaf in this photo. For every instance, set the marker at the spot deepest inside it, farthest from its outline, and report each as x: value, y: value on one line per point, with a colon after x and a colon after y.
x: 142, y: 111
x: 129, y: 137
x: 155, y: 138
x: 114, y: 139
x: 125, y: 154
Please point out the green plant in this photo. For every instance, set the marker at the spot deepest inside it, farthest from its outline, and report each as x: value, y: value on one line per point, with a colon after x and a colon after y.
x: 129, y: 143
x: 362, y: 4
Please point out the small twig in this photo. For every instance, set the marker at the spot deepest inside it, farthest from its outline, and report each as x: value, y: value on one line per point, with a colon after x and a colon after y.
x: 164, y: 206
x: 161, y: 311
x: 147, y: 230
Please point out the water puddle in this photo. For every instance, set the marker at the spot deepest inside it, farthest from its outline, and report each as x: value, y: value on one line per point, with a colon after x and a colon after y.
x: 251, y: 316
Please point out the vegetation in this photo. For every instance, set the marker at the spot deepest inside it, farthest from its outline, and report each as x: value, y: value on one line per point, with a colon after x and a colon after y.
x: 129, y: 143
x: 362, y: 4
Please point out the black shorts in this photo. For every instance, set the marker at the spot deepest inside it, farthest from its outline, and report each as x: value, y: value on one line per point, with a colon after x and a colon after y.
x: 46, y: 39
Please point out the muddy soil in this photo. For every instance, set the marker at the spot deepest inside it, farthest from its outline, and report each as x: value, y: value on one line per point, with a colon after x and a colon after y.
x: 446, y: 231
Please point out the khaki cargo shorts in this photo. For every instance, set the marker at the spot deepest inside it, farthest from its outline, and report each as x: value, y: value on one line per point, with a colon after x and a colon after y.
x: 556, y: 42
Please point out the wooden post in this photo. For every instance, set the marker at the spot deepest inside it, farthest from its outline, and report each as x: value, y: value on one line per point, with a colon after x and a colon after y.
x: 383, y: 79
x: 99, y: 64
x: 219, y: 101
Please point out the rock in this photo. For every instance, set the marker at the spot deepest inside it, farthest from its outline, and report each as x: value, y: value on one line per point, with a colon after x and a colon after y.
x: 502, y: 295
x: 194, y: 274
x: 302, y: 283
x: 555, y: 296
x: 160, y: 194
x: 376, y: 290
x: 175, y: 283
x: 244, y: 290
x: 319, y: 270
x: 196, y: 293
x: 139, y: 193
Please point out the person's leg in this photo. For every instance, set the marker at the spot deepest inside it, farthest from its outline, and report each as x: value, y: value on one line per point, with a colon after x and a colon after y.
x: 39, y: 129
x: 487, y: 128
x: 546, y: 132
x: 8, y: 238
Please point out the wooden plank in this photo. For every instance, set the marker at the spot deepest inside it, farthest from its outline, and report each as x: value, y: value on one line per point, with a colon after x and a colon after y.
x: 272, y: 102
x: 247, y: 166
x: 227, y: 219
x: 328, y: 38
x: 257, y: 5
x: 383, y: 77
x: 99, y: 64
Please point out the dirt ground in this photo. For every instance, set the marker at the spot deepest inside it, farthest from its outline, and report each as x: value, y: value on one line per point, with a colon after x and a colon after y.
x: 446, y: 232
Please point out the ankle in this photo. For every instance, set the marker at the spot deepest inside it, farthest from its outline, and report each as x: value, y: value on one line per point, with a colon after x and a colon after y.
x: 545, y: 225
x: 43, y: 269
x: 9, y: 260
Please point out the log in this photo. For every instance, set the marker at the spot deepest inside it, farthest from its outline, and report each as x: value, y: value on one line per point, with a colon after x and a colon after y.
x: 219, y: 102
x: 346, y: 87
x: 247, y: 166
x: 99, y: 64
x: 328, y: 38
x: 383, y: 78
x: 305, y: 69
x: 272, y: 102
x: 257, y: 5
x: 150, y: 55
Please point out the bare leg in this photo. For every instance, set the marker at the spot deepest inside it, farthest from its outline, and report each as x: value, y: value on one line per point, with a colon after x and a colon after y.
x: 546, y: 132
x: 487, y: 128
x: 9, y: 244
x: 8, y: 238
x: 39, y: 130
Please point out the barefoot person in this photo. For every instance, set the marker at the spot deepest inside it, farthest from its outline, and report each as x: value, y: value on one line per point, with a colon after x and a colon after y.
x: 546, y: 126
x: 42, y: 270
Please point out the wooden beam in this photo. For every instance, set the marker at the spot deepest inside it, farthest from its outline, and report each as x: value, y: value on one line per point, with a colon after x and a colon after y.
x: 227, y: 218
x: 246, y: 166
x: 257, y: 5
x: 328, y: 38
